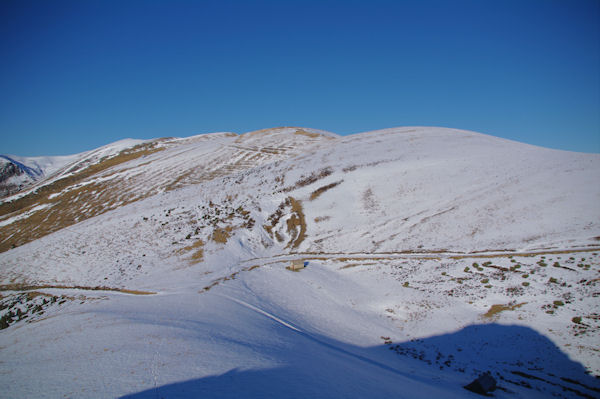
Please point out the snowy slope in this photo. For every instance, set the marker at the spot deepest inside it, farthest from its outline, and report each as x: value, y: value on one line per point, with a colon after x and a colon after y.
x: 442, y: 189
x: 122, y: 173
x: 434, y: 255
x: 44, y: 170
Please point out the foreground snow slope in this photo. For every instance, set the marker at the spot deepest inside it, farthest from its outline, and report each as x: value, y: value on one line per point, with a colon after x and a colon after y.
x: 434, y: 254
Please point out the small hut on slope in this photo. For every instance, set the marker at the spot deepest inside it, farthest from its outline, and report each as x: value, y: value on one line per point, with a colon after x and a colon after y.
x: 297, y: 264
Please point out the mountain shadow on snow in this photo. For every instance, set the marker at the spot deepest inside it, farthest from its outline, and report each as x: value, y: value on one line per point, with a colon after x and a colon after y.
x: 524, y: 363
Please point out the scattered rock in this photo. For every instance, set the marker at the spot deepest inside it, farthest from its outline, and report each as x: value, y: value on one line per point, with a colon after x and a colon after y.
x: 484, y: 384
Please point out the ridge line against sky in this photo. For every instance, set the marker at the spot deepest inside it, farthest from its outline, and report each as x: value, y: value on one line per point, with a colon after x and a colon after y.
x: 77, y: 75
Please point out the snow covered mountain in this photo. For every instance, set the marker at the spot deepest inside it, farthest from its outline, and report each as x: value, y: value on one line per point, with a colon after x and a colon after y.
x: 433, y: 255
x: 15, y: 175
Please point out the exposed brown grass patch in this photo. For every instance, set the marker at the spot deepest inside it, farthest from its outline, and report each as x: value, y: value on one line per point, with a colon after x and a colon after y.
x: 496, y: 309
x: 296, y: 224
x: 221, y: 235
x: 208, y: 287
x: 300, y: 132
x: 279, y: 237
x: 312, y: 135
x: 308, y: 180
x: 349, y: 266
x: 177, y: 182
x: 198, y: 248
x: 253, y: 133
x: 320, y: 219
x: 35, y: 294
x: 232, y: 276
x: 136, y: 292
x: 315, y: 194
x: 28, y: 287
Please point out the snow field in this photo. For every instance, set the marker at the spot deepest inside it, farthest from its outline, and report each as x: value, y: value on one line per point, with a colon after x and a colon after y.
x: 391, y: 303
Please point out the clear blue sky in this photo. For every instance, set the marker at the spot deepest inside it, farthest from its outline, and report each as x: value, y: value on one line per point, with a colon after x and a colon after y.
x: 75, y: 75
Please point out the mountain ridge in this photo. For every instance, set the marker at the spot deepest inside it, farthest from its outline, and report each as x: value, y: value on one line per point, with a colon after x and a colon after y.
x: 409, y: 233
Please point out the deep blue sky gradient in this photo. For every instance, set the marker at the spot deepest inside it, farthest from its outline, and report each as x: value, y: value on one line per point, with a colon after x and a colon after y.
x: 75, y: 75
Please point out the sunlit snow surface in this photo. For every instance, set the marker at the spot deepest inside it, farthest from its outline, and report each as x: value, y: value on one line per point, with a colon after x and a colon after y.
x: 396, y: 301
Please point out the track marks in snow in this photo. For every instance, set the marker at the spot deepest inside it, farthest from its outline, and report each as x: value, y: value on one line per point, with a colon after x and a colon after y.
x: 321, y: 342
x: 263, y: 312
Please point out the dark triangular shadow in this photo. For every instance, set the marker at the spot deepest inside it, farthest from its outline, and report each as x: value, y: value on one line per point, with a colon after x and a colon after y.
x: 524, y: 362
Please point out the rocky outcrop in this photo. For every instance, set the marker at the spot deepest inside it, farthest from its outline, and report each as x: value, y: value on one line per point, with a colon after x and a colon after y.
x: 9, y: 170
x: 13, y: 178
